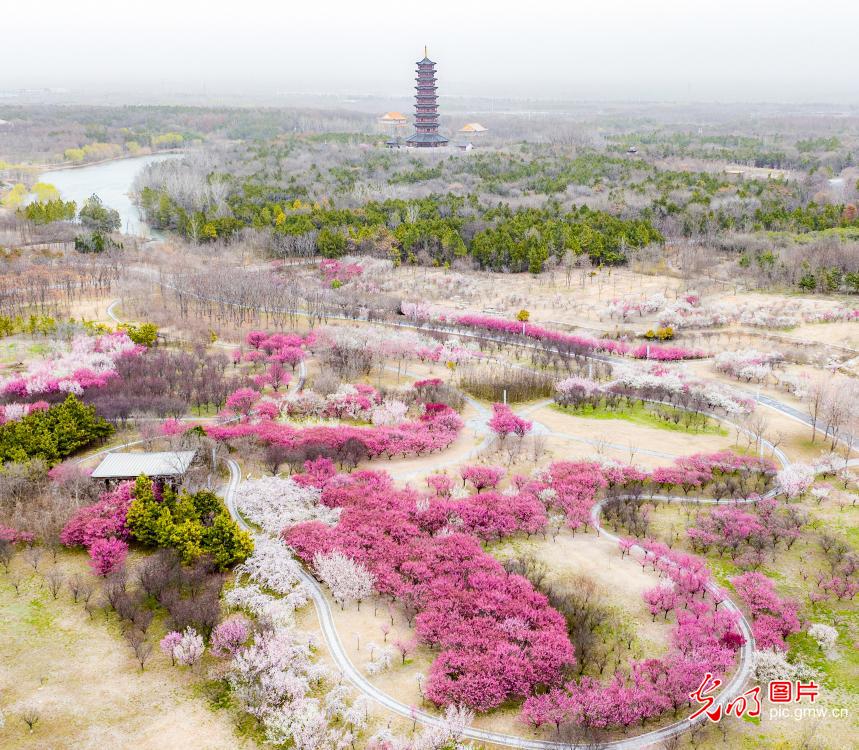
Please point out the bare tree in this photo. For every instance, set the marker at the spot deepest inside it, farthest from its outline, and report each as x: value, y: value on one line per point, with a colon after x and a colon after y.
x: 7, y: 551
x: 55, y: 579
x: 30, y: 715
x: 33, y: 555
x: 815, y: 399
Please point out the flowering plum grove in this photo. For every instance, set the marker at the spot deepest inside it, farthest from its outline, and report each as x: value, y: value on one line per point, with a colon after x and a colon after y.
x: 565, y: 343
x: 435, y: 430
x: 166, y: 382
x: 498, y: 638
x: 348, y: 580
x: 351, y: 351
x: 704, y: 639
x: 746, y: 534
x: 272, y: 503
x: 689, y: 312
x: 747, y: 364
x: 88, y: 362
x: 653, y: 384
x: 773, y: 618
x: 275, y: 677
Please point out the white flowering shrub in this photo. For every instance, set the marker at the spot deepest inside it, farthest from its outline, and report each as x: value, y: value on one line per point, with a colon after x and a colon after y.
x: 389, y: 412
x: 272, y: 566
x: 382, y: 660
x: 269, y: 610
x: 771, y: 664
x: 794, y: 480
x: 189, y: 650
x: 826, y: 637
x: 747, y: 364
x: 274, y: 503
x: 348, y: 580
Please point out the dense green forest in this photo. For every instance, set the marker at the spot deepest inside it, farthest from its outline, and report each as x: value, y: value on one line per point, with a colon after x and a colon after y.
x: 438, y: 229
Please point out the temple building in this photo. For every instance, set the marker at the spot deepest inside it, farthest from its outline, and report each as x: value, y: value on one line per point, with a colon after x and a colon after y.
x: 392, y: 123
x: 426, y: 108
x: 473, y: 129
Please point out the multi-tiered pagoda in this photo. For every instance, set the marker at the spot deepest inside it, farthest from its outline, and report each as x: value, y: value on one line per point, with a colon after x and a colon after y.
x: 426, y: 108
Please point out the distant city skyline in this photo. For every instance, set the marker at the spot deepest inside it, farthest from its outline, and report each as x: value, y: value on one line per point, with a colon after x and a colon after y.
x: 662, y: 50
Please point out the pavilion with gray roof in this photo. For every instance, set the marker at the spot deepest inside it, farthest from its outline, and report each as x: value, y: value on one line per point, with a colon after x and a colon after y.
x: 169, y: 465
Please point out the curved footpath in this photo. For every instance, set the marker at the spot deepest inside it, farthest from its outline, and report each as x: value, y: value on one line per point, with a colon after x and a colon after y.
x: 769, y: 401
x: 732, y: 689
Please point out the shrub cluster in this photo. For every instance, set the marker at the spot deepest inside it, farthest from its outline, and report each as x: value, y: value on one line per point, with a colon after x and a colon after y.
x: 52, y: 434
x: 490, y: 382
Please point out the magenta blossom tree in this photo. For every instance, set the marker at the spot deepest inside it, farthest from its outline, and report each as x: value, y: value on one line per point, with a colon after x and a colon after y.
x: 241, y: 400
x: 107, y: 555
x: 504, y: 422
x: 482, y: 477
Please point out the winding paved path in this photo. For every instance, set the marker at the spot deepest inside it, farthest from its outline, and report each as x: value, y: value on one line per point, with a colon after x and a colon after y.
x: 765, y: 400
x: 732, y: 689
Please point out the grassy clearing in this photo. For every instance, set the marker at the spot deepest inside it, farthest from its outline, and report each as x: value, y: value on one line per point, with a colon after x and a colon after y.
x: 838, y: 673
x: 83, y: 679
x: 646, y: 416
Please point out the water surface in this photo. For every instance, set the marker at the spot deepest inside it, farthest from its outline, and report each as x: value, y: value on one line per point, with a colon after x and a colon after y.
x: 111, y: 182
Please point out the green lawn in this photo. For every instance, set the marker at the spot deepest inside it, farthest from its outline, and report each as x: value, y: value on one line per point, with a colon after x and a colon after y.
x: 838, y: 673
x: 646, y: 416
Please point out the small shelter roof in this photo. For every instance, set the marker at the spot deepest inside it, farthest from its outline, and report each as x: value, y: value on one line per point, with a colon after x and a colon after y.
x: 130, y: 465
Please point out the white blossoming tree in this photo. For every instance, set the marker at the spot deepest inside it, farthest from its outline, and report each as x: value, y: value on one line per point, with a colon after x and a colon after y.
x: 348, y: 580
x: 274, y: 503
x: 826, y: 637
x: 189, y: 650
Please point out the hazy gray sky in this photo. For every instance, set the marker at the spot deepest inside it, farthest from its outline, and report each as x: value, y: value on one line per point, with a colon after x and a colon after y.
x: 728, y: 50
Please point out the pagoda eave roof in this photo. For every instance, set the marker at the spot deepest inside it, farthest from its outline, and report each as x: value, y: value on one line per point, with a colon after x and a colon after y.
x: 426, y: 138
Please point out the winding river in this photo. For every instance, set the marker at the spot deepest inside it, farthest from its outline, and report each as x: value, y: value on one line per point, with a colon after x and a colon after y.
x: 110, y: 181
